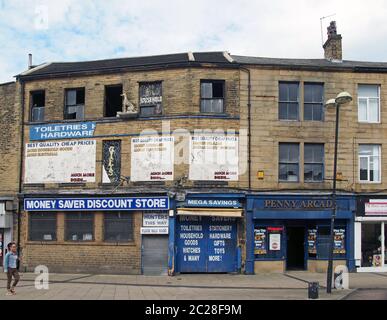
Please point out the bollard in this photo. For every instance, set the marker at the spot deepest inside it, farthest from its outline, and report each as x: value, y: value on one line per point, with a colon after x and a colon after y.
x: 313, y: 290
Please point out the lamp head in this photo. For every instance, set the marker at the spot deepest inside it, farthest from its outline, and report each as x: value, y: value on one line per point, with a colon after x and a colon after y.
x: 330, y: 103
x: 343, y: 98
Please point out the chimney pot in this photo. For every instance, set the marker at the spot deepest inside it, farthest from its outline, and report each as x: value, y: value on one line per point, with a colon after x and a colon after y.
x: 29, y: 61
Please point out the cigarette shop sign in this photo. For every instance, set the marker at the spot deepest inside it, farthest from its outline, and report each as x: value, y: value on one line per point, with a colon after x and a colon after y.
x: 97, y: 204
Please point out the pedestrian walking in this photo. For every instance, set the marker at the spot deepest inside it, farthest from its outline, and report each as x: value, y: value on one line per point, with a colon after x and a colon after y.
x: 10, y: 267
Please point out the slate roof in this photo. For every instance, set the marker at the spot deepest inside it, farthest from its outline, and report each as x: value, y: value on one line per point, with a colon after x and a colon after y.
x: 58, y: 69
x: 167, y: 60
x: 311, y: 63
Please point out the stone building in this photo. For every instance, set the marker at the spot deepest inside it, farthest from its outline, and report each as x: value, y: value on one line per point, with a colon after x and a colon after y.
x: 292, y: 151
x: 100, y: 136
x: 10, y: 163
x: 200, y: 162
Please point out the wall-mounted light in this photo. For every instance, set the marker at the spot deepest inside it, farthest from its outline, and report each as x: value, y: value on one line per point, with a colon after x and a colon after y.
x: 261, y: 175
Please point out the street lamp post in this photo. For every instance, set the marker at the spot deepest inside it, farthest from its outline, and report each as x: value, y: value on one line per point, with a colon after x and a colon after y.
x: 342, y: 98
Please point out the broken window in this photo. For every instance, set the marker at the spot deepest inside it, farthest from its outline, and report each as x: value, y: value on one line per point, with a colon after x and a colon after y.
x: 212, y: 96
x: 38, y: 101
x: 75, y: 104
x: 113, y: 100
x: 151, y: 99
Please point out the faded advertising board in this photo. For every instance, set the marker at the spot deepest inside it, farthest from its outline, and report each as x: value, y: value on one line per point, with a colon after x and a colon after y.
x: 60, y: 162
x: 214, y: 158
x: 152, y: 158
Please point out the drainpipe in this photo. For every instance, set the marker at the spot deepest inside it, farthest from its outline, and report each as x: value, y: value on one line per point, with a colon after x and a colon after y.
x: 22, y: 96
x: 248, y: 121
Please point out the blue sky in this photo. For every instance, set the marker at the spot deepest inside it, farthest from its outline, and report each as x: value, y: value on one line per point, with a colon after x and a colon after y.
x: 72, y: 30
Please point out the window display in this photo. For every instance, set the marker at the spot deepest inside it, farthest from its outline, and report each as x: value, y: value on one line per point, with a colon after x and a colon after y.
x: 371, y: 244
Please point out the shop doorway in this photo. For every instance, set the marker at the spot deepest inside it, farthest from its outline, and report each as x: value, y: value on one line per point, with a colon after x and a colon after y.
x: 155, y: 255
x: 373, y: 246
x: 295, y: 248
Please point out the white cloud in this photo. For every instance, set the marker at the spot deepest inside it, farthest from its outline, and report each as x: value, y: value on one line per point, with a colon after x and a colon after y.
x: 84, y: 30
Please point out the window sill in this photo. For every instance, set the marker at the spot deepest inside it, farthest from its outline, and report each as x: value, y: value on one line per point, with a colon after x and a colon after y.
x: 368, y: 122
x: 369, y: 182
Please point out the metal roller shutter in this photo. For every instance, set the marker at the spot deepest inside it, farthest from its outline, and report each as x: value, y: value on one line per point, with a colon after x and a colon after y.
x: 155, y: 254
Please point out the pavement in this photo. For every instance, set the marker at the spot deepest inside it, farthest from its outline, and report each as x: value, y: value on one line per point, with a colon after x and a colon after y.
x: 289, y: 286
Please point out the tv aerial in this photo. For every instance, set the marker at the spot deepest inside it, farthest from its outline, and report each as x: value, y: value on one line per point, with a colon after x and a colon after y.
x: 321, y: 25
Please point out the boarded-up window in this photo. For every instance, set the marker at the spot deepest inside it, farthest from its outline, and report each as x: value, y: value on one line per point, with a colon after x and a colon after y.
x: 151, y: 99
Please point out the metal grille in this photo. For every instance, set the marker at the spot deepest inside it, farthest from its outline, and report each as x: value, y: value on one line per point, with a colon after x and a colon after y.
x: 79, y: 226
x: 118, y: 227
x: 42, y: 226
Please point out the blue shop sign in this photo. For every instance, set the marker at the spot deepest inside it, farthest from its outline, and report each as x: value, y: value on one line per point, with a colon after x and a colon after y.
x: 213, y: 203
x: 206, y: 244
x: 62, y: 131
x: 97, y: 204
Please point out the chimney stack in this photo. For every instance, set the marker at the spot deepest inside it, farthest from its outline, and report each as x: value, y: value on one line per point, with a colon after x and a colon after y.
x: 333, y: 50
x: 29, y: 61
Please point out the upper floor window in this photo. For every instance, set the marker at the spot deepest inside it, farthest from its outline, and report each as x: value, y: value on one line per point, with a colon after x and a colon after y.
x: 289, y: 162
x: 38, y: 102
x: 313, y: 101
x: 113, y: 100
x: 369, y: 163
x: 288, y: 101
x: 212, y: 96
x: 75, y: 104
x: 313, y: 162
x: 151, y: 98
x: 369, y: 103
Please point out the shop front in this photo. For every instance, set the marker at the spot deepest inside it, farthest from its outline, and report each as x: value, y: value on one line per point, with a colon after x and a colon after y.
x: 371, y: 234
x: 208, y: 234
x: 121, y: 234
x: 292, y: 232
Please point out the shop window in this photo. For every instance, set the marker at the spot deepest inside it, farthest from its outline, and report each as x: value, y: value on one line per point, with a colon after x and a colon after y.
x: 118, y: 227
x: 371, y: 245
x: 75, y: 104
x: 288, y: 101
x: 313, y: 162
x: 113, y: 100
x: 42, y: 226
x: 79, y: 227
x: 38, y: 103
x: 313, y: 101
x: 212, y: 96
x: 151, y: 99
x: 319, y: 239
x: 369, y: 103
x: 268, y: 242
x: 369, y: 163
x: 289, y: 157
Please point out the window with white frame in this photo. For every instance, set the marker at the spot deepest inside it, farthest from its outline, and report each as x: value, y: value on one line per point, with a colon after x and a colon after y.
x: 369, y: 163
x: 369, y: 103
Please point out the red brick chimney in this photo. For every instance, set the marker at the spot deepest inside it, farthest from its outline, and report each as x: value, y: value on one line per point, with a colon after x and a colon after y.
x: 333, y: 50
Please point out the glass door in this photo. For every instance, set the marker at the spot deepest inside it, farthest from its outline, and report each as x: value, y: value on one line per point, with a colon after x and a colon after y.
x: 373, y: 245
